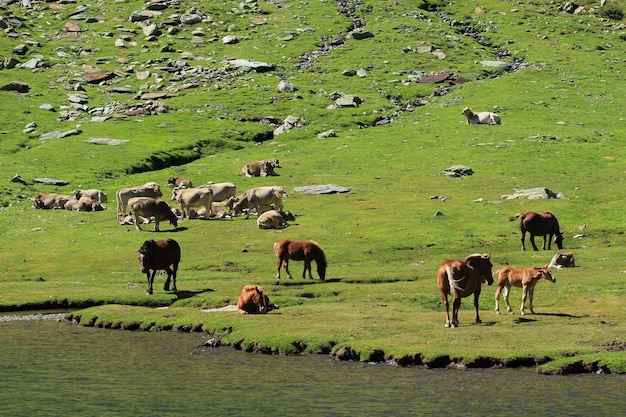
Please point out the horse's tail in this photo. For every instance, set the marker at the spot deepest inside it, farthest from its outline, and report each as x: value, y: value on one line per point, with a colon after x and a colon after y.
x: 455, y: 288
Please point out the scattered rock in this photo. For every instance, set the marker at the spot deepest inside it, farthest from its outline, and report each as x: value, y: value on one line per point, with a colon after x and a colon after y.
x: 18, y: 86
x: 58, y: 135
x: 19, y: 179
x: 323, y: 189
x: 107, y: 141
x: 50, y: 181
x: 457, y: 171
x: 327, y: 134
x: 285, y: 86
x: 532, y: 194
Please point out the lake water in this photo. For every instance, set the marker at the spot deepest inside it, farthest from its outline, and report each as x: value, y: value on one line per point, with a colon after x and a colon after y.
x: 49, y: 368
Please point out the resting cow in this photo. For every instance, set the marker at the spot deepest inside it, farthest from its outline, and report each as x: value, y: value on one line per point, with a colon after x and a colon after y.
x: 97, y: 195
x: 260, y: 198
x: 83, y: 204
x: 274, y: 219
x: 151, y: 207
x: 149, y: 189
x: 253, y: 300
x: 263, y: 168
x: 481, y: 118
x: 50, y: 201
x: 179, y: 182
x: 193, y: 197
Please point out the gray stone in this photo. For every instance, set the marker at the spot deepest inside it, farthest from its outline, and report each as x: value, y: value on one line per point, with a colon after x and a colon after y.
x: 457, y: 171
x: 323, y: 189
x: 107, y: 141
x: 50, y: 181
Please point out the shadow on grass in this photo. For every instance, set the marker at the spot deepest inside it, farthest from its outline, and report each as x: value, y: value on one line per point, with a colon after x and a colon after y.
x: 182, y: 295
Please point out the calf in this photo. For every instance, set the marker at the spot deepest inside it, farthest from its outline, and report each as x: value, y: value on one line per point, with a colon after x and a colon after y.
x: 263, y: 168
x: 151, y: 207
x: 274, y: 219
x: 193, y: 197
x: 481, y: 118
x: 179, y: 182
x: 97, y: 195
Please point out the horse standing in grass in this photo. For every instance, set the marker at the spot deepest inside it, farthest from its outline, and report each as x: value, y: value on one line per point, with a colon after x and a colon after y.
x: 461, y: 279
x: 521, y: 278
x: 160, y: 255
x: 544, y: 224
x: 300, y: 251
x: 253, y: 300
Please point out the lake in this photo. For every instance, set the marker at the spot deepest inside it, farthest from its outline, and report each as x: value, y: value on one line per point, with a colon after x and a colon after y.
x: 51, y: 368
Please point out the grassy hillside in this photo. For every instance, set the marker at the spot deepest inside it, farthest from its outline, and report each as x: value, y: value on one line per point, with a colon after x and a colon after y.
x: 560, y: 99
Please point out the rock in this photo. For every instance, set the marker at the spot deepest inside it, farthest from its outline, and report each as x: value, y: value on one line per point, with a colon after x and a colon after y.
x: 323, y: 189
x: 360, y: 34
x: 285, y: 86
x: 252, y: 65
x: 495, y: 64
x: 327, y: 134
x: 50, y: 181
x: 96, y: 78
x: 47, y: 106
x: 18, y: 86
x: 532, y: 194
x: 19, y: 179
x: 347, y: 100
x: 230, y: 40
x: 107, y: 141
x: 457, y: 171
x: 20, y: 49
x: 58, y: 135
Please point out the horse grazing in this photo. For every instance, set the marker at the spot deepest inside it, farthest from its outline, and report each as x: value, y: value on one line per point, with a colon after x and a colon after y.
x: 253, y: 300
x: 160, y: 255
x: 461, y: 279
x: 521, y: 278
x: 300, y: 251
x: 536, y: 224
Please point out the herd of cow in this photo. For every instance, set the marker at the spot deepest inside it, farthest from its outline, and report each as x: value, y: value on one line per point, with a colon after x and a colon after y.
x: 456, y: 278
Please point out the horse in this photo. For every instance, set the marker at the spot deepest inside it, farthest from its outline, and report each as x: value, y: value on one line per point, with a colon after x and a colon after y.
x: 521, y: 278
x: 300, y: 251
x: 160, y: 255
x: 253, y: 300
x: 536, y: 224
x: 461, y: 279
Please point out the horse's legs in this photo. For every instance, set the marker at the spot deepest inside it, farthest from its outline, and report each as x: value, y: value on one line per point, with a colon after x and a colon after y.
x: 307, y: 267
x: 446, y: 306
x: 523, y: 239
x: 531, y: 291
x: 278, y: 265
x: 532, y: 240
x: 166, y: 286
x: 498, y: 291
x: 156, y: 224
x: 476, y: 295
x: 286, y: 263
x: 150, y: 279
x: 456, y: 305
x: 549, y: 241
x: 507, y: 290
x: 524, y: 295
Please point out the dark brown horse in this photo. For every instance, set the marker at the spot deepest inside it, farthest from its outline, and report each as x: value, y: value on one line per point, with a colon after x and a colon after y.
x: 544, y: 224
x: 253, y: 300
x: 461, y: 279
x: 160, y: 255
x: 300, y: 251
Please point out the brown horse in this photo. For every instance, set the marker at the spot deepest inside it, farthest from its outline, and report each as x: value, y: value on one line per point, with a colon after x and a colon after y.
x: 520, y: 278
x: 300, y: 251
x: 253, y: 300
x: 461, y: 279
x: 544, y: 224
x: 160, y: 255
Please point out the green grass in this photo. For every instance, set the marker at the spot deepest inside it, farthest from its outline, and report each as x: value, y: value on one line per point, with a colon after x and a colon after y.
x: 562, y: 128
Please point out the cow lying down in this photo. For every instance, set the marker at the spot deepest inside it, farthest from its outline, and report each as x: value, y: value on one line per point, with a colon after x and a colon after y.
x: 274, y: 219
x: 481, y: 118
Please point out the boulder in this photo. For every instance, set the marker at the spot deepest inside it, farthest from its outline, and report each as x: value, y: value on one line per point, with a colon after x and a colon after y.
x: 458, y: 171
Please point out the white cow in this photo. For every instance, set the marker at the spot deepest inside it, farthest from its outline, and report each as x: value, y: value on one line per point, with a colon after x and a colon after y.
x: 274, y: 219
x: 193, y: 197
x: 260, y: 198
x: 149, y: 189
x: 481, y: 118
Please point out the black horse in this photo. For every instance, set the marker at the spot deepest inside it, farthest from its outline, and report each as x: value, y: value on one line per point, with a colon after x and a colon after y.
x: 544, y: 224
x: 160, y: 255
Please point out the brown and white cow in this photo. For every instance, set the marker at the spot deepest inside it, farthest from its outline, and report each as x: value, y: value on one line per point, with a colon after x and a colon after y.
x: 260, y: 198
x: 149, y: 189
x: 147, y: 207
x: 97, y: 195
x: 263, y: 168
x: 222, y: 191
x: 481, y: 118
x: 179, y: 182
x: 193, y: 197
x: 274, y: 219
x: 83, y: 204
x: 50, y: 201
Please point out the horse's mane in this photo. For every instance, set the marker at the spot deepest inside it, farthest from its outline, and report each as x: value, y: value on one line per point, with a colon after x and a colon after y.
x: 248, y: 288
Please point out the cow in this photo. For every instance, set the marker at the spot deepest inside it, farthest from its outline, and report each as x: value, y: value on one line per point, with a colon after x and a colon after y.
x: 274, y: 219
x: 83, y: 204
x: 222, y: 191
x: 481, y: 118
x: 151, y: 207
x: 97, y: 195
x: 259, y: 198
x: 149, y: 189
x: 562, y: 260
x: 127, y: 219
x: 50, y: 201
x: 193, y: 197
x: 179, y: 182
x: 526, y: 279
x: 263, y: 168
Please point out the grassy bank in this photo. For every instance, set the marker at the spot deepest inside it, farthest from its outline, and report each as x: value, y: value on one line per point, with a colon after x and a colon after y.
x: 562, y: 129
